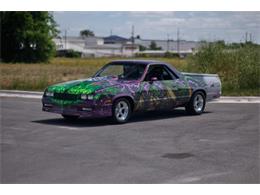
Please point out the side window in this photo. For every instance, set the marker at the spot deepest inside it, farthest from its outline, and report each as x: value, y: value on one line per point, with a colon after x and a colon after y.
x: 166, y: 75
x: 173, y: 76
x: 160, y: 72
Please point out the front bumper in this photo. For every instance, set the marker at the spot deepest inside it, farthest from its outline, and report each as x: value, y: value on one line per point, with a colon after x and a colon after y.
x: 83, y: 109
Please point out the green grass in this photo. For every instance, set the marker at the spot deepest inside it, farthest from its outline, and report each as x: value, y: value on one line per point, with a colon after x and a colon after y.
x: 21, y: 76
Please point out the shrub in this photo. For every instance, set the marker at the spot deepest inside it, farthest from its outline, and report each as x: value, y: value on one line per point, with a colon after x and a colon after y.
x: 68, y: 53
x: 238, y: 67
x: 171, y: 55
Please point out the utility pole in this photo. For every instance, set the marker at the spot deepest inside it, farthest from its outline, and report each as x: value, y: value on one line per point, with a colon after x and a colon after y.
x: 168, y: 42
x: 133, y: 39
x: 111, y: 32
x: 65, y: 39
x: 250, y: 38
x: 246, y: 37
x: 178, y: 41
x: 133, y: 34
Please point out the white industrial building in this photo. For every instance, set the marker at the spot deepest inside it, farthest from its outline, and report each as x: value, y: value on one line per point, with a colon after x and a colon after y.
x: 96, y: 46
x: 181, y: 46
x: 119, y: 46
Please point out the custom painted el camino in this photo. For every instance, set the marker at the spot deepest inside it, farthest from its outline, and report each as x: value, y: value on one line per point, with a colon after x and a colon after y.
x: 123, y: 87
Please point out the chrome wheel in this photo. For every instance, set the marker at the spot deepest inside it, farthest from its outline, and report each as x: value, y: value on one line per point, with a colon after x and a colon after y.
x: 121, y: 110
x: 198, y: 103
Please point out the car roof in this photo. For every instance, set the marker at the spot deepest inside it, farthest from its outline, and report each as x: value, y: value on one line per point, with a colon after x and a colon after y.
x: 136, y: 62
x: 144, y: 62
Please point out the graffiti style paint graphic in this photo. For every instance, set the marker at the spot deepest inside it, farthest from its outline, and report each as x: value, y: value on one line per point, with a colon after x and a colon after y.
x: 100, y: 92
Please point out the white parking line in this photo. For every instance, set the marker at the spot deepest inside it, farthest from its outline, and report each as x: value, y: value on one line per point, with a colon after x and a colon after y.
x: 69, y: 128
x: 198, y: 177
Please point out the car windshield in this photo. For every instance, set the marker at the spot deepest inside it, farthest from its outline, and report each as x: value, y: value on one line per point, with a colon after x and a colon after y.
x: 122, y: 71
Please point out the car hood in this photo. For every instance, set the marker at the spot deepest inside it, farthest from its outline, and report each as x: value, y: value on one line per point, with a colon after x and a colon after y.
x: 87, y: 86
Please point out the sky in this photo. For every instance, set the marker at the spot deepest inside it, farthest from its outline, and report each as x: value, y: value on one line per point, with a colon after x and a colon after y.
x: 195, y: 26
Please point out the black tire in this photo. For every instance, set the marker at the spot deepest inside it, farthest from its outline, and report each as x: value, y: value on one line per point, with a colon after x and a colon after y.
x: 70, y: 117
x: 115, y: 111
x: 191, y: 108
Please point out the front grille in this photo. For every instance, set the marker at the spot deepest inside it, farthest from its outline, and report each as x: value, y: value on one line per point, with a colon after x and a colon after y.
x: 66, y: 96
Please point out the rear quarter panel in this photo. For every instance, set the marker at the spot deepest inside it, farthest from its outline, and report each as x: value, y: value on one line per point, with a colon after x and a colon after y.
x: 210, y: 83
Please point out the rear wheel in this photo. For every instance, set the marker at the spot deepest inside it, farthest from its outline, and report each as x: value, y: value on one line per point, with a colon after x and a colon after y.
x: 196, y: 104
x: 69, y: 117
x: 121, y: 110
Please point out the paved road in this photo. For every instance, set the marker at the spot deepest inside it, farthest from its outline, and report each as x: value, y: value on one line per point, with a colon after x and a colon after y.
x: 220, y: 146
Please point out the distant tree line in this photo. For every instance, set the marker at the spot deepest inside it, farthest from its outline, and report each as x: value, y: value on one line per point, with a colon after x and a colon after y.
x: 87, y: 33
x: 152, y: 46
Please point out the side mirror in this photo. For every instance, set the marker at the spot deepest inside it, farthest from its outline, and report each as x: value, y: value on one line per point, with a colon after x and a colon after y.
x: 153, y: 79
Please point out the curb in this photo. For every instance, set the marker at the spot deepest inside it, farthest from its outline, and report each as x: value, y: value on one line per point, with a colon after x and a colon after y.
x: 238, y: 99
x: 38, y: 95
x: 21, y: 92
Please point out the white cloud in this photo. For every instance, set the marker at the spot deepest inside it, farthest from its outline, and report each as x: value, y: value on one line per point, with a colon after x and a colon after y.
x: 230, y: 26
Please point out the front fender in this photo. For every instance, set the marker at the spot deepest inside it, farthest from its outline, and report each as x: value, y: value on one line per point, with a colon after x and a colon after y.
x: 122, y: 95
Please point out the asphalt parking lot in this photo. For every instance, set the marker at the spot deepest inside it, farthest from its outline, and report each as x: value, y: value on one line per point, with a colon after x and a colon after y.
x: 220, y: 146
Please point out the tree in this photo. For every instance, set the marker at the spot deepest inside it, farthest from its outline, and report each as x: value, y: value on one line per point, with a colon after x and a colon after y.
x: 87, y: 33
x: 142, y: 48
x: 153, y: 46
x: 27, y: 36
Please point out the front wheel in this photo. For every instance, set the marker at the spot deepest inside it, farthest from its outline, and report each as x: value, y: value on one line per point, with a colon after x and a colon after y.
x: 196, y: 104
x: 121, y: 110
x: 69, y: 117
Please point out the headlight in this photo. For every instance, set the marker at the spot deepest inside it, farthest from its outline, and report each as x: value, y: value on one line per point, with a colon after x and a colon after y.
x: 49, y: 94
x: 90, y: 97
x: 86, y: 97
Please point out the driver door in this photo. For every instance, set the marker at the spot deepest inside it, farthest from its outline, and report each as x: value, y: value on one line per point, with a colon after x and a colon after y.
x: 157, y: 89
